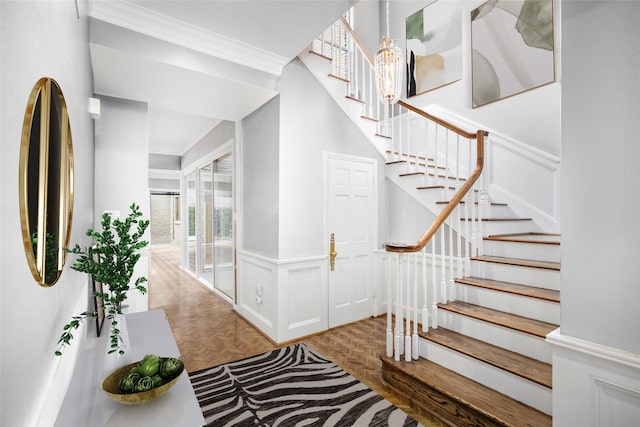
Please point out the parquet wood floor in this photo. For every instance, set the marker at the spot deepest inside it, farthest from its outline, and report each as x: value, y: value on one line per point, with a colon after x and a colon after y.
x: 208, y: 332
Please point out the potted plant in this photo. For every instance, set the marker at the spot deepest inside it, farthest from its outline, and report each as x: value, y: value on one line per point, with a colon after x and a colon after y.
x: 111, y: 261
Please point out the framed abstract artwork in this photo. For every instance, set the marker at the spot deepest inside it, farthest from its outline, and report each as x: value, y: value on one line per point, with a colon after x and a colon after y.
x: 434, y: 46
x: 512, y: 47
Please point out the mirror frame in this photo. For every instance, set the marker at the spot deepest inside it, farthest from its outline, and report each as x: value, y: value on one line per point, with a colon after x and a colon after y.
x: 46, y: 257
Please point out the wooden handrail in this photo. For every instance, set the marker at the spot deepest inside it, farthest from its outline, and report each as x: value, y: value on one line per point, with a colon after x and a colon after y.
x: 439, y: 121
x: 418, y: 111
x: 480, y: 135
x: 357, y: 40
x: 457, y: 198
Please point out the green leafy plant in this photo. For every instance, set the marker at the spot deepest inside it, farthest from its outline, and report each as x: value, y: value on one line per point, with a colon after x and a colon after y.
x: 111, y: 261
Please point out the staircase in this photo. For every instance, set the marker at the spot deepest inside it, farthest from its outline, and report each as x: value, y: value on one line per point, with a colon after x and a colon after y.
x: 488, y: 363
x: 484, y: 360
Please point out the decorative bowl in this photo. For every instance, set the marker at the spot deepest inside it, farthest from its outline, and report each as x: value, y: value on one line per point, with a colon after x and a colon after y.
x: 111, y: 386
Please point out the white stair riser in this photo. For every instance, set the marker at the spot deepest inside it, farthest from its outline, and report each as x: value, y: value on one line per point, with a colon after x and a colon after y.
x: 509, y: 339
x: 518, y: 388
x: 507, y: 227
x: 532, y: 251
x: 533, y: 308
x: 495, y: 211
x: 537, y: 277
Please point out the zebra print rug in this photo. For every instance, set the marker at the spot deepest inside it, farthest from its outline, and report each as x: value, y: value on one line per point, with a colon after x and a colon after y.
x: 291, y: 386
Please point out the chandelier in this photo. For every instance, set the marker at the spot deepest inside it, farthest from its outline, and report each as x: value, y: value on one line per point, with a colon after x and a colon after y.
x: 388, y: 65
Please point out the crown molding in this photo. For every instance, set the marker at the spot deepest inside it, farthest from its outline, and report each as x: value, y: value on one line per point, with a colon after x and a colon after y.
x: 164, y: 174
x: 154, y: 24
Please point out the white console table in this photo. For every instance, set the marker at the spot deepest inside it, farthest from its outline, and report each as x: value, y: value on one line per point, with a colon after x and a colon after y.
x: 86, y: 404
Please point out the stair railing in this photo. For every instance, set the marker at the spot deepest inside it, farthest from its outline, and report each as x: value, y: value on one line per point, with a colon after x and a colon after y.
x: 439, y: 155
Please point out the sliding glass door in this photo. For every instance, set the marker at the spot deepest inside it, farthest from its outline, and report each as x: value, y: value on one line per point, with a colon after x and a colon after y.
x: 224, y: 279
x: 205, y: 219
x: 209, y: 201
x: 190, y: 240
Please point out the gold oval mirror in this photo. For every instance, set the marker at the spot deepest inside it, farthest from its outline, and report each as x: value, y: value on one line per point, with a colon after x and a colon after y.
x: 46, y: 181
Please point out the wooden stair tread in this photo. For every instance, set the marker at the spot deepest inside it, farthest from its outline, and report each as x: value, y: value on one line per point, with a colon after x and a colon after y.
x: 512, y: 321
x: 328, y: 58
x: 548, y: 265
x: 456, y: 398
x: 444, y: 202
x: 342, y: 79
x: 437, y: 187
x: 399, y: 153
x: 352, y: 98
x: 517, y: 364
x: 539, y: 238
x: 496, y: 219
x: 512, y: 288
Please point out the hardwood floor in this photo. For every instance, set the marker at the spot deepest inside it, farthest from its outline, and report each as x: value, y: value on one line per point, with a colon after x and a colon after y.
x: 208, y: 332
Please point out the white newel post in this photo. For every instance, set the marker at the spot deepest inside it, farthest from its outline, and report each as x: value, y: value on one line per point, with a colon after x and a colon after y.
x: 407, y: 331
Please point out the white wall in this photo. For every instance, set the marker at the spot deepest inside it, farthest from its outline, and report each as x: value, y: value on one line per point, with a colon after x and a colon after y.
x: 600, y: 192
x: 307, y: 129
x: 365, y: 25
x: 122, y: 171
x: 43, y: 38
x: 260, y: 175
x: 406, y: 218
x: 520, y: 117
x: 596, y: 362
x: 285, y: 294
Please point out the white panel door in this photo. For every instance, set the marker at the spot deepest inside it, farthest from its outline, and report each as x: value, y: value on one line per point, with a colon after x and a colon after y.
x: 352, y: 219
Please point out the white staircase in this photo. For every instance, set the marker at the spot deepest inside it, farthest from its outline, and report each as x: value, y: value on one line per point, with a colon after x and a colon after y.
x: 490, y: 307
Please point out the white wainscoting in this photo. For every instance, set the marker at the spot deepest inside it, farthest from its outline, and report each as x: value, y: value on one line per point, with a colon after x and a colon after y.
x: 285, y: 299
x: 525, y: 177
x: 593, y: 385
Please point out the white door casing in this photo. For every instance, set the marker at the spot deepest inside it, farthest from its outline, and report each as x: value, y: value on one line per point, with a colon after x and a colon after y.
x: 351, y: 202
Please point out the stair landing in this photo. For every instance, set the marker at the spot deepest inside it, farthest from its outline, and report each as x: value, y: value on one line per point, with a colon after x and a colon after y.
x: 455, y: 399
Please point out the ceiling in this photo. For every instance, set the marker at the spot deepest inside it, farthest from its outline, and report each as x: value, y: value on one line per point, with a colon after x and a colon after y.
x: 199, y: 62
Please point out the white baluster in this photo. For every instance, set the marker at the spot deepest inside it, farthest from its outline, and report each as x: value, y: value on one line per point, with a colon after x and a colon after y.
x: 414, y: 338
x: 451, y: 292
x: 375, y: 104
x: 333, y: 51
x: 389, y: 306
x: 425, y: 126
x: 436, y: 159
x: 446, y: 164
x: 443, y: 267
x: 398, y: 320
x: 434, y: 283
x: 400, y: 152
x: 425, y: 303
x: 485, y: 203
x: 468, y: 239
x: 457, y: 162
x: 407, y: 330
x: 469, y: 212
x: 458, y: 216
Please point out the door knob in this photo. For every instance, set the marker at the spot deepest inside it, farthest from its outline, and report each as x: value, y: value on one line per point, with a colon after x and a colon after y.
x: 332, y: 252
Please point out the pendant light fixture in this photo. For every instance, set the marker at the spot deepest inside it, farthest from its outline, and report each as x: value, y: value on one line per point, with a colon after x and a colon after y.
x: 388, y: 68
